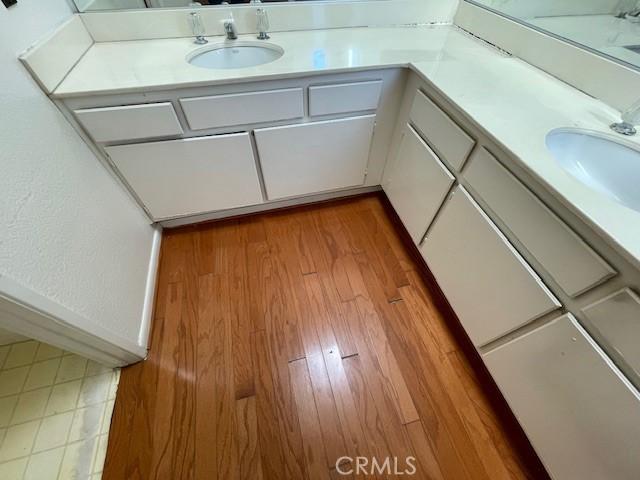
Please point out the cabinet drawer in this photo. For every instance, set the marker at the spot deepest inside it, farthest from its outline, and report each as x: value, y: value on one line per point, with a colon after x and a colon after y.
x: 314, y: 157
x: 130, y: 122
x: 417, y: 185
x: 345, y: 97
x: 489, y: 285
x: 450, y: 142
x: 194, y: 175
x: 243, y: 108
x: 617, y: 318
x: 573, y: 264
x: 581, y: 415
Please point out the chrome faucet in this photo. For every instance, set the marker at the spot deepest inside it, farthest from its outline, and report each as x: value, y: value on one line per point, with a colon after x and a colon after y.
x: 630, y: 118
x: 628, y: 9
x: 195, y: 20
x: 230, y: 29
x: 263, y: 24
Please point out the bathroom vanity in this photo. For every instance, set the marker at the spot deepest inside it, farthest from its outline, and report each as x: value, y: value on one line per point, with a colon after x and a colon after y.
x: 206, y: 150
x: 542, y: 272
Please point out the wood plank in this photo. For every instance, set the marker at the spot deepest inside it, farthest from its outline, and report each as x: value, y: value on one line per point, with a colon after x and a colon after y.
x: 314, y: 450
x: 373, y: 332
x: 241, y: 322
x: 279, y: 311
x: 427, y: 318
x: 382, y: 247
x: 377, y: 352
x: 330, y: 279
x: 206, y: 465
x: 258, y: 273
x: 285, y: 253
x: 163, y: 445
x: 226, y: 449
x: 120, y: 462
x: 247, y: 439
x: 366, y: 408
x: 330, y: 427
x: 346, y: 406
x: 427, y: 461
x: 362, y: 375
x: 335, y: 249
x: 362, y: 239
x: 271, y: 451
x: 386, y: 217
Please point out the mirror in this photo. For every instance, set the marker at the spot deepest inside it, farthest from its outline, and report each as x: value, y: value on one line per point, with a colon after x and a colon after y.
x: 102, y: 5
x: 607, y: 27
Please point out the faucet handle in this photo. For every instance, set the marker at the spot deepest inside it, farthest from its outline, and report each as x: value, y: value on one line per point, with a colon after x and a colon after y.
x: 263, y: 24
x: 197, y: 27
x: 630, y: 118
x: 632, y: 114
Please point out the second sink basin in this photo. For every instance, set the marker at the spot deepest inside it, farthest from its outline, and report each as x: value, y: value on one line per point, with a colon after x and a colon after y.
x: 600, y: 162
x: 235, y: 55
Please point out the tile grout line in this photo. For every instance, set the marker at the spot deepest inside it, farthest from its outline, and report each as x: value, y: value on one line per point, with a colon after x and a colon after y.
x: 107, y: 383
x: 35, y: 437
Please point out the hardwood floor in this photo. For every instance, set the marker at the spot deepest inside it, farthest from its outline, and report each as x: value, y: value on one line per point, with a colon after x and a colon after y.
x: 284, y: 342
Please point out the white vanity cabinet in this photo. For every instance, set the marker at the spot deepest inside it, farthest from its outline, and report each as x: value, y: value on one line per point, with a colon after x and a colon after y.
x: 581, y: 415
x: 416, y: 184
x: 192, y: 175
x: 314, y: 157
x: 299, y: 140
x: 490, y: 286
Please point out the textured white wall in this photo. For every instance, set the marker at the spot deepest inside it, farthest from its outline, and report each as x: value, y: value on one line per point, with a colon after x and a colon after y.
x: 68, y: 231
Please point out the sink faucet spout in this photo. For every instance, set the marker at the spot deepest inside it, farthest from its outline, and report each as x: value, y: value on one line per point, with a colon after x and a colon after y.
x: 230, y: 29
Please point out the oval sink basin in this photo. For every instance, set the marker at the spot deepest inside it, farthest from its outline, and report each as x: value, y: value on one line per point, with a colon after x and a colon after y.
x: 236, y: 55
x: 600, y: 162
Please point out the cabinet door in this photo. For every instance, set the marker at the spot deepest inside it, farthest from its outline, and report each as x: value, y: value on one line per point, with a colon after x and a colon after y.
x: 243, y: 108
x: 570, y: 261
x: 417, y: 184
x: 194, y: 175
x: 581, y: 415
x: 447, y: 138
x: 130, y: 122
x: 617, y: 318
x: 489, y: 285
x: 314, y: 157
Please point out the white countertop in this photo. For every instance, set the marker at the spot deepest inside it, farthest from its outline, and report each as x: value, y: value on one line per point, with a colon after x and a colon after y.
x: 516, y: 103
x: 156, y: 64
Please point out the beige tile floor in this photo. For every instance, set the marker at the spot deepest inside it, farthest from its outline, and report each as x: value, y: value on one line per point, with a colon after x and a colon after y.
x: 55, y: 412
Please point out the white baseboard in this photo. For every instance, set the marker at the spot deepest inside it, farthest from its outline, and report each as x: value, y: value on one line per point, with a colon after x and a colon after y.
x: 150, y: 291
x: 264, y: 207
